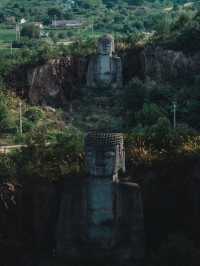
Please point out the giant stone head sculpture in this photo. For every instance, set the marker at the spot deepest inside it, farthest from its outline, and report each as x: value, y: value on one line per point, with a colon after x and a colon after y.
x: 105, y: 154
x: 106, y: 45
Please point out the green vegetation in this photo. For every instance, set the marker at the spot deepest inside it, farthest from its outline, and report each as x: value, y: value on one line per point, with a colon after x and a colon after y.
x: 30, y: 31
x: 148, y: 105
x: 33, y: 119
x: 7, y: 35
x: 51, y: 140
x: 160, y: 20
x: 148, y: 101
x: 167, y: 22
x: 39, y: 161
x: 50, y: 149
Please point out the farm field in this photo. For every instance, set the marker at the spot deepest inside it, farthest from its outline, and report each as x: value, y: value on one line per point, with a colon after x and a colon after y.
x: 7, y: 36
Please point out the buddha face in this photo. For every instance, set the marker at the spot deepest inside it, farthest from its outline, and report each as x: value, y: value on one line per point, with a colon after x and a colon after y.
x: 101, y: 162
x: 106, y: 46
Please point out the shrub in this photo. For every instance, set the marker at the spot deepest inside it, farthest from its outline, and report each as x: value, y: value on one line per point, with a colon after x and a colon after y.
x: 31, y: 31
x: 34, y: 114
x: 5, y: 118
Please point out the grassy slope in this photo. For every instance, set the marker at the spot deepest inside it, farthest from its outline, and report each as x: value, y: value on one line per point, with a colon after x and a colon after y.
x: 52, y: 120
x: 7, y: 35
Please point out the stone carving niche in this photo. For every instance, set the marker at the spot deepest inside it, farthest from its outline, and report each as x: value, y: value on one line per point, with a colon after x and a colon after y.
x: 103, y: 215
x: 105, y: 68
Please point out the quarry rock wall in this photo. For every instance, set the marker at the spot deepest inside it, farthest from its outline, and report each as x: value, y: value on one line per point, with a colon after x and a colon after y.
x: 48, y: 218
x: 65, y: 217
x: 169, y: 65
x: 59, y: 81
x: 55, y: 82
x: 170, y: 199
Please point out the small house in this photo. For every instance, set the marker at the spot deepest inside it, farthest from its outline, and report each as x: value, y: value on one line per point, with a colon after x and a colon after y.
x: 67, y: 23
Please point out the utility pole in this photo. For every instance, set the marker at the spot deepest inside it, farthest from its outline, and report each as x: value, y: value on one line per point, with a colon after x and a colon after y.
x: 174, y: 112
x: 92, y: 27
x: 55, y: 22
x: 11, y: 48
x: 17, y: 32
x: 20, y: 119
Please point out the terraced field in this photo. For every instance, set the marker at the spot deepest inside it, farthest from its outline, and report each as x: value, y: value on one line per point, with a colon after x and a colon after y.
x: 7, y: 36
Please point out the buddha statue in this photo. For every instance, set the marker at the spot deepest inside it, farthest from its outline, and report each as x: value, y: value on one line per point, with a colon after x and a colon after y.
x: 104, y: 158
x: 105, y: 68
x: 105, y: 154
x: 103, y: 216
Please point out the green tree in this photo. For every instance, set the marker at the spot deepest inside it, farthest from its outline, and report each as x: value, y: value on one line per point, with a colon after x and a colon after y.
x: 31, y: 31
x: 149, y: 114
x: 34, y: 114
x: 159, y: 134
x: 5, y: 118
x: 54, y: 12
x: 89, y: 3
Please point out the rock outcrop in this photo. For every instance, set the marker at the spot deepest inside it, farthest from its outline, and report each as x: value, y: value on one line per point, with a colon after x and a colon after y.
x: 59, y: 82
x: 171, y: 204
x: 56, y: 82
x: 169, y: 65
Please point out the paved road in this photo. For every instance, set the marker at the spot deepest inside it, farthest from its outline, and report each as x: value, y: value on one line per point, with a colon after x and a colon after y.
x: 4, y: 149
x: 7, y: 149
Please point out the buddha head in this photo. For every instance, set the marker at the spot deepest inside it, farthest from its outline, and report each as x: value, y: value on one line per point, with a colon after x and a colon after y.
x: 104, y: 154
x: 106, y: 45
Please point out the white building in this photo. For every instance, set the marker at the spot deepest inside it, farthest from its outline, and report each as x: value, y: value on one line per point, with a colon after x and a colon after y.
x: 22, y: 21
x: 67, y: 23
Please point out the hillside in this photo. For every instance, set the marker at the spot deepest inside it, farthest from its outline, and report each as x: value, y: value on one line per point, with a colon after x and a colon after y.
x: 127, y: 72
x: 160, y: 52
x: 33, y: 119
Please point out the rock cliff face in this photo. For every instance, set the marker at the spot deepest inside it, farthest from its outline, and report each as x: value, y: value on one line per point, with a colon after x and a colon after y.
x: 133, y: 64
x: 168, y: 65
x: 57, y: 81
x: 171, y: 204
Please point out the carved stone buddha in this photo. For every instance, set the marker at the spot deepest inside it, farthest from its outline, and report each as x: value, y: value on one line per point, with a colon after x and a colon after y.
x: 105, y: 68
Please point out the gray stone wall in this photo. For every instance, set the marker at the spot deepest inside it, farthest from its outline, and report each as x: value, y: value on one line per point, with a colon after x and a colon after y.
x: 71, y: 223
x: 130, y: 221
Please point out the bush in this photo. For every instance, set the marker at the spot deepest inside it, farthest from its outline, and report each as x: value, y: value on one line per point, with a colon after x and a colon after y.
x: 5, y: 118
x: 8, y: 168
x: 31, y: 31
x: 41, y: 161
x: 149, y: 114
x: 33, y: 114
x: 61, y: 35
